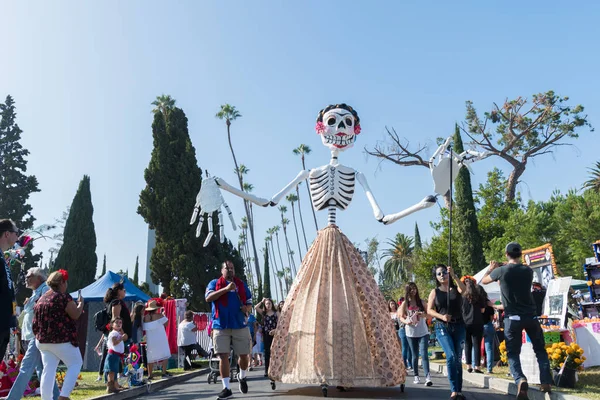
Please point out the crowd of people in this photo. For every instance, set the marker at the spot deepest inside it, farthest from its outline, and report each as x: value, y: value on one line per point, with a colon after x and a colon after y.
x: 458, y: 315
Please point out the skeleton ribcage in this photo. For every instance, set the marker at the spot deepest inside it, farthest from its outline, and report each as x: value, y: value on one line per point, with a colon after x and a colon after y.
x: 332, y: 186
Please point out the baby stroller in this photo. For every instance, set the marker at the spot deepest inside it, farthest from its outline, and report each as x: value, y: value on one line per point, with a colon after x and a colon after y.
x: 214, y: 363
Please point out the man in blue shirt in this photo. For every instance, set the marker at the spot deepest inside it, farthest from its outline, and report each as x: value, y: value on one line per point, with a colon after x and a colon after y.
x: 231, y: 302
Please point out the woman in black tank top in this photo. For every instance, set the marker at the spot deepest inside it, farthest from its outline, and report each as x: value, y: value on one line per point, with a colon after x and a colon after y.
x: 445, y: 305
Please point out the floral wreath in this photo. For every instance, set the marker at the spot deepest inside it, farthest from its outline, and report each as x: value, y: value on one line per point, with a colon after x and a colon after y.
x: 469, y: 277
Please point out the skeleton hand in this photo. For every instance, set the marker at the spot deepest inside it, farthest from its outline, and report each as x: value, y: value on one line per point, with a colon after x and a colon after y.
x: 209, y: 200
x: 441, y: 162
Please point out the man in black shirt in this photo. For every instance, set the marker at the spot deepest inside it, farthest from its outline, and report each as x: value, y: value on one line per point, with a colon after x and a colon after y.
x: 520, y: 314
x: 9, y: 233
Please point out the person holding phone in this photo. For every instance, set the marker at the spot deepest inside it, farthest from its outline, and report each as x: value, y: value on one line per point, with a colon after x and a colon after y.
x: 56, y: 308
x: 413, y: 315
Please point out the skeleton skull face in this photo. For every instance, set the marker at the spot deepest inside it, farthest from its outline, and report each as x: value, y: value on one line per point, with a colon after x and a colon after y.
x: 338, y: 129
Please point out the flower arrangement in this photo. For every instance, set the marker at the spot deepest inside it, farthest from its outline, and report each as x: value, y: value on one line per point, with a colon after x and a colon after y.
x: 503, y: 353
x: 569, y: 356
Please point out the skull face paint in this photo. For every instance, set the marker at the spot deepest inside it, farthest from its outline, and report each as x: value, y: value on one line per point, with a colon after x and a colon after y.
x: 338, y: 129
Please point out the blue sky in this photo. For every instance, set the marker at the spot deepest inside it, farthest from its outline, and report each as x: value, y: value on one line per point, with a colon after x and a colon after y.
x: 83, y: 75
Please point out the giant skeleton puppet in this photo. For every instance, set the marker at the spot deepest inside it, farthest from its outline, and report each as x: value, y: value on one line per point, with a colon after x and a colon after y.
x: 335, y: 327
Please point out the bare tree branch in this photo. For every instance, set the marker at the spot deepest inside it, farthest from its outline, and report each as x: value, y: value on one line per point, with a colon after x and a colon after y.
x: 397, y: 152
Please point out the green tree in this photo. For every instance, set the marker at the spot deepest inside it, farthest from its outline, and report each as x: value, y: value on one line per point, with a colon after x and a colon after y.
x: 519, y: 130
x: 136, y: 271
x: 494, y: 208
x: 516, y: 132
x: 173, y: 178
x: 266, y: 275
x: 16, y: 187
x: 103, y: 266
x: 229, y: 113
x: 397, y: 267
x: 468, y: 239
x: 418, y: 243
x: 302, y: 151
x: 594, y: 182
x: 78, y: 252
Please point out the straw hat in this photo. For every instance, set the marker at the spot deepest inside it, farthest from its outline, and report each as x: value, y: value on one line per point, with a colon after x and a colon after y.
x: 152, y: 306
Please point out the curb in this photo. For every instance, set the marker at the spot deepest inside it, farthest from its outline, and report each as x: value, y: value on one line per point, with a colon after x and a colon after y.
x: 158, y: 385
x: 503, y: 385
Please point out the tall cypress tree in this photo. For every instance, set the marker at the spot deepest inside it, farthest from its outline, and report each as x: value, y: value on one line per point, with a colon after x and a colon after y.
x: 78, y: 252
x: 418, y: 243
x: 266, y: 276
x: 468, y: 244
x: 15, y: 186
x: 173, y: 178
x: 136, y: 271
x: 104, y: 266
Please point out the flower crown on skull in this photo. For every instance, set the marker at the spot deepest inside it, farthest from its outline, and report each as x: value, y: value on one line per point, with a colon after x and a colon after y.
x: 338, y: 126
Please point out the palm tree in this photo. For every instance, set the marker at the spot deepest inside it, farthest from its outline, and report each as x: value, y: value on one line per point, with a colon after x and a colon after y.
x: 394, y: 269
x: 276, y: 230
x: 284, y: 223
x: 229, y: 113
x: 594, y: 182
x: 303, y: 150
x: 273, y: 266
x: 270, y: 232
x: 163, y: 104
x: 300, y: 212
x: 292, y: 198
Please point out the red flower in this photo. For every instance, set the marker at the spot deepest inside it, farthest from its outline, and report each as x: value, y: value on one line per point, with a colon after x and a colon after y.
x: 357, y: 129
x: 320, y: 128
x: 64, y: 273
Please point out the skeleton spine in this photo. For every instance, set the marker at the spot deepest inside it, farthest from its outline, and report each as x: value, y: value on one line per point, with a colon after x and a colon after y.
x: 331, y: 215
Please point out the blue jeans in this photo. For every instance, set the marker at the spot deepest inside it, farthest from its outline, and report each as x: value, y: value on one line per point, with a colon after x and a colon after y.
x: 406, y: 353
x: 451, y: 337
x: 31, y: 361
x: 489, y: 338
x: 513, y: 334
x: 422, y: 344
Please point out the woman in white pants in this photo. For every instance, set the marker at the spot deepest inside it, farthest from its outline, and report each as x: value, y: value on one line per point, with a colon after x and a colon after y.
x: 56, y: 334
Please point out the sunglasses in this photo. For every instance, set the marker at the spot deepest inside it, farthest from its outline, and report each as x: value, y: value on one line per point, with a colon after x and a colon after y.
x: 442, y: 273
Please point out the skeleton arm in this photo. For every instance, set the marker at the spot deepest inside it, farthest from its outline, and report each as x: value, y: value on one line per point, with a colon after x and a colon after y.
x: 388, y: 219
x: 259, y: 200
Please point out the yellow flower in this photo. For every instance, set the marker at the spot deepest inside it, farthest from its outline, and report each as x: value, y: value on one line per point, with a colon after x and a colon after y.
x: 554, y: 345
x: 556, y: 356
x: 583, y: 358
x: 577, y: 361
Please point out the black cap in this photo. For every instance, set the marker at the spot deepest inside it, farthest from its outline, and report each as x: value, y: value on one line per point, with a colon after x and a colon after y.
x: 513, y: 247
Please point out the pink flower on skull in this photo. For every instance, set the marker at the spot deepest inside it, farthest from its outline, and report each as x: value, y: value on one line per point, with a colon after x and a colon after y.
x: 356, y: 129
x: 320, y: 128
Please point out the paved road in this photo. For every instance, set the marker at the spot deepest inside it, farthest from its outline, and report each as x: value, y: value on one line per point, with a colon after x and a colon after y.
x: 259, y: 388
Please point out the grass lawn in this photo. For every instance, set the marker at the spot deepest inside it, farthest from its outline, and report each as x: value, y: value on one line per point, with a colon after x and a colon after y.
x: 87, y: 387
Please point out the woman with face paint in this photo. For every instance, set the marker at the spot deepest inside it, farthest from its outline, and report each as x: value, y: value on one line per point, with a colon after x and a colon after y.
x: 445, y: 305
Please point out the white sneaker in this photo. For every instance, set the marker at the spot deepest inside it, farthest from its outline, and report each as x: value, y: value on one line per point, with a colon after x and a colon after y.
x: 98, y: 379
x: 428, y: 380
x: 417, y: 380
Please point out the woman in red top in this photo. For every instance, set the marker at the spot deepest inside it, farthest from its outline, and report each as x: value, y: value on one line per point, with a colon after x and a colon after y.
x: 55, y: 332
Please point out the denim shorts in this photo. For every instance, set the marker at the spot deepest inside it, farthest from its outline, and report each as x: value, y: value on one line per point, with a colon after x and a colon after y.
x: 112, y: 362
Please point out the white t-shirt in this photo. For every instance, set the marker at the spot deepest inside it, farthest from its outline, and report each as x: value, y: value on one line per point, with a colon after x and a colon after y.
x: 117, y: 348
x: 185, y: 336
